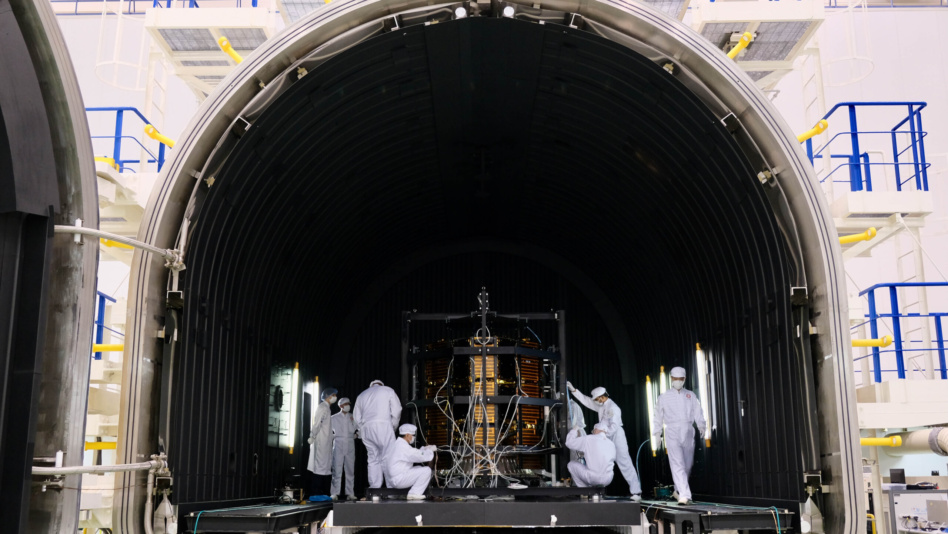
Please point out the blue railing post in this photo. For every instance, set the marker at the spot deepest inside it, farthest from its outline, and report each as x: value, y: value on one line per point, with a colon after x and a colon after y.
x: 865, y: 162
x: 897, y: 330
x: 921, y: 150
x: 895, y: 160
x: 874, y: 332
x: 100, y: 320
x: 809, y: 149
x: 117, y: 145
x: 855, y: 174
x: 940, y: 341
x: 913, y: 135
x: 161, y: 155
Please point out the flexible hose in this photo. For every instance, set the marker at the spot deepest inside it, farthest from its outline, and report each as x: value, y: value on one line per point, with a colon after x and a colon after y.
x: 637, y: 470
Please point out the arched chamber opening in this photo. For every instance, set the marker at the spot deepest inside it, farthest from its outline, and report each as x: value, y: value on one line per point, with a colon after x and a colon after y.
x: 543, y: 156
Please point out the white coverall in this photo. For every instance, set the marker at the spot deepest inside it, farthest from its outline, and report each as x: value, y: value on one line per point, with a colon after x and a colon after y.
x: 611, y: 415
x: 600, y: 454
x: 320, y: 451
x: 376, y: 414
x: 679, y: 411
x: 576, y: 420
x: 343, y: 451
x: 400, y: 471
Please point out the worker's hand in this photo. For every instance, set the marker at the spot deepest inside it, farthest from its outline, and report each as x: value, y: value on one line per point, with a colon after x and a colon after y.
x: 356, y: 435
x: 310, y: 441
x: 431, y: 448
x: 570, y: 387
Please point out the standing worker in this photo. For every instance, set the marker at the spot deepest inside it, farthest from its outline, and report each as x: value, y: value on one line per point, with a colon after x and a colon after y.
x: 343, y: 449
x: 679, y: 411
x: 320, y: 444
x: 400, y: 457
x: 377, y: 412
x: 611, y: 416
x: 599, y: 453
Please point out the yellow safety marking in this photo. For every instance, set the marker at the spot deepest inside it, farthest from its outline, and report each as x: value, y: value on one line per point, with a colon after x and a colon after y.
x: 108, y: 161
x: 100, y: 445
x: 108, y: 348
x: 816, y: 130
x: 854, y: 238
x: 741, y: 44
x: 884, y: 341
x: 116, y: 244
x: 229, y: 50
x: 891, y: 441
x: 152, y: 132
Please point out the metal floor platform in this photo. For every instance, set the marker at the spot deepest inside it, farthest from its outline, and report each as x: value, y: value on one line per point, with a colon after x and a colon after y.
x: 541, y: 512
x: 707, y: 517
x: 262, y: 518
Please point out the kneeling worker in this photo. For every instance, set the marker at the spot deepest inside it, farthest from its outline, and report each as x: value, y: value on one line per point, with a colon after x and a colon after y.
x: 679, y: 411
x: 600, y: 455
x: 398, y: 464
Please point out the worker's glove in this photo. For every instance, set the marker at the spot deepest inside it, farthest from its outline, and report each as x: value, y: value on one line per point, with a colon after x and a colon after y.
x: 310, y: 441
x: 431, y: 448
x: 570, y: 387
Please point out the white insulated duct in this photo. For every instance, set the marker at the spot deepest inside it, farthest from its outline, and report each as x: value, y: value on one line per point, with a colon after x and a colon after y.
x: 920, y: 442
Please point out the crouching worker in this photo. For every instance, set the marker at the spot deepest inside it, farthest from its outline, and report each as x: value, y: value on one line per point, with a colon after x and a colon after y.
x: 600, y: 455
x: 399, y: 460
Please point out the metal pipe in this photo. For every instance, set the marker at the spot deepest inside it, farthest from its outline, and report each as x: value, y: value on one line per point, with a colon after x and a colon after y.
x: 172, y: 257
x: 931, y: 440
x: 99, y: 469
x: 149, y: 503
x: 888, y: 441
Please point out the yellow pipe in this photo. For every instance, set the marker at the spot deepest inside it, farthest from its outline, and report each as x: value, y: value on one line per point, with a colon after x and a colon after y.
x: 707, y: 443
x: 100, y: 445
x: 816, y: 130
x: 229, y: 50
x: 108, y: 161
x: 116, y: 244
x: 152, y: 132
x: 865, y: 236
x: 741, y: 45
x: 884, y: 341
x: 889, y: 441
x: 873, y: 519
x: 108, y: 348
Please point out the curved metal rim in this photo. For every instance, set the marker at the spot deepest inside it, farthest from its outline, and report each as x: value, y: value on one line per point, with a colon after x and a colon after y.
x: 714, y: 78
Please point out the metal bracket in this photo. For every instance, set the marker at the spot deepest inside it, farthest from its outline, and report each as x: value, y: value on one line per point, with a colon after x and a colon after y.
x: 799, y: 296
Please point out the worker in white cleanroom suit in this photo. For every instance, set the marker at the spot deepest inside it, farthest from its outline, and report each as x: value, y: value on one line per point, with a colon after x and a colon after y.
x: 343, y: 449
x: 320, y: 444
x: 679, y: 411
x: 611, y: 415
x: 577, y: 421
x: 599, y: 453
x: 398, y: 464
x: 376, y: 413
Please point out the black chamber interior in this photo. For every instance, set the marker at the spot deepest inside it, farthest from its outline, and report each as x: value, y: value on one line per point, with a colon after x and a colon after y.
x: 554, y: 167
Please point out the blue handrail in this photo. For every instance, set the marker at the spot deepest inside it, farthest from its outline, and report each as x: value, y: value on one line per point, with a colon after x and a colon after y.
x: 100, y: 321
x: 118, y: 136
x: 896, y: 316
x: 857, y: 160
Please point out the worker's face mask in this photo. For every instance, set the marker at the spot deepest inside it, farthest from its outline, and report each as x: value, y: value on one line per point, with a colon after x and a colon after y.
x: 411, y: 439
x: 678, y: 384
x: 331, y: 400
x: 345, y: 408
x: 600, y: 401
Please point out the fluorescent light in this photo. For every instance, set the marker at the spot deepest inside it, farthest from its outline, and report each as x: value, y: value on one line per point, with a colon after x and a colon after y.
x: 295, y: 389
x: 702, y: 372
x: 651, y: 412
x: 662, y: 383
